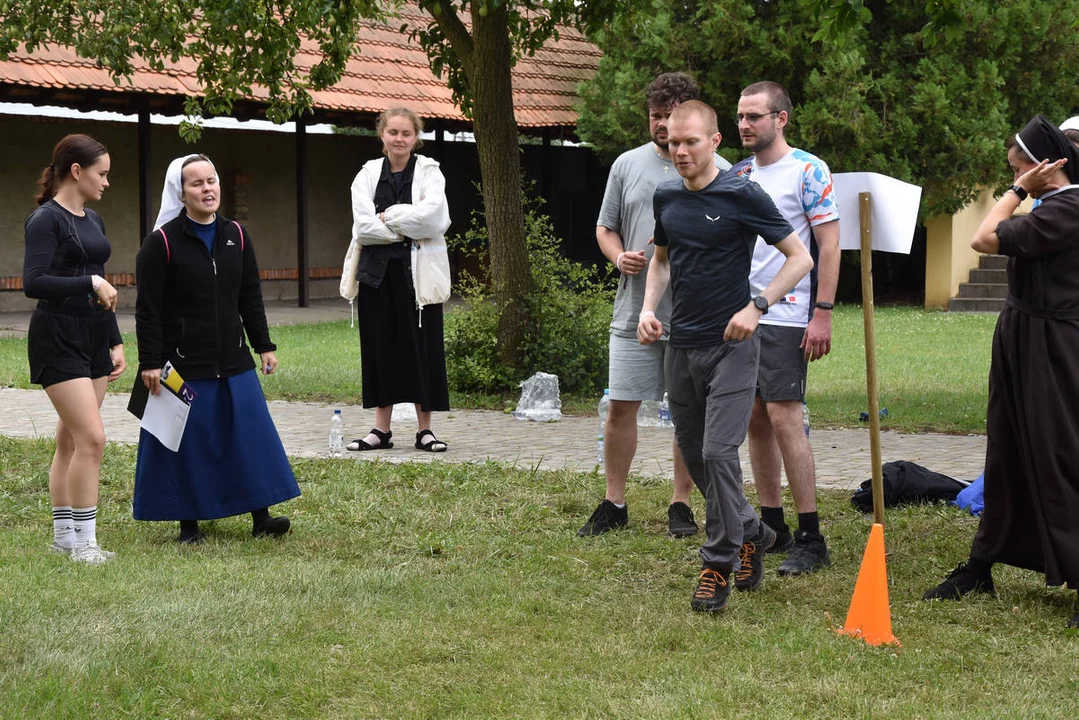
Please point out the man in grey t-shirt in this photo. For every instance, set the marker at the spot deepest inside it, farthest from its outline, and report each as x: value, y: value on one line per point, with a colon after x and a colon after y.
x: 623, y: 231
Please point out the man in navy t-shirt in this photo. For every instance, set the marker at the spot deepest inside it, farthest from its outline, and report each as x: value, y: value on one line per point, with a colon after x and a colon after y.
x: 706, y: 227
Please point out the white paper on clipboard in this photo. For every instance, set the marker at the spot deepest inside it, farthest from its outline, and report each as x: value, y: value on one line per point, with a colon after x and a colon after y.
x: 165, y: 418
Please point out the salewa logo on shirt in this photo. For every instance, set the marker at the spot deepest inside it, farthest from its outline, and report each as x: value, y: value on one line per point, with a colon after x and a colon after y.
x: 712, y: 219
x: 230, y: 243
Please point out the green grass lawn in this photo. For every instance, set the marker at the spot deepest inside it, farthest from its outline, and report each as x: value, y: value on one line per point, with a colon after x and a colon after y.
x: 933, y: 370
x: 462, y: 591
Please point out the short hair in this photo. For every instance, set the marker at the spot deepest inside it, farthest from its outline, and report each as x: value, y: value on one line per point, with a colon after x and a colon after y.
x: 197, y: 158
x: 1072, y: 135
x: 701, y: 110
x: 778, y: 99
x: 670, y: 89
x: 384, y: 118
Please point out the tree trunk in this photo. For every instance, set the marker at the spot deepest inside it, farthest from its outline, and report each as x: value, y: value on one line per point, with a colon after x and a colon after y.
x: 495, y: 129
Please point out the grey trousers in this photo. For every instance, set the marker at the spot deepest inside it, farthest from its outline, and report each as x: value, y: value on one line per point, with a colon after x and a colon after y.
x: 711, y: 392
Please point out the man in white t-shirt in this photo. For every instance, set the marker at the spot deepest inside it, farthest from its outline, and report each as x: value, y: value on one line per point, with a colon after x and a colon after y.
x: 798, y: 329
x: 624, y: 230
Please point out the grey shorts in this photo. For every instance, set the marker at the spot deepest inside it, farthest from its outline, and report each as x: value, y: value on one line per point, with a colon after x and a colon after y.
x: 782, y: 372
x: 635, y: 371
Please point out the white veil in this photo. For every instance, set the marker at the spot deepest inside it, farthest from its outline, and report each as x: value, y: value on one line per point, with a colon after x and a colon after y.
x: 173, y: 191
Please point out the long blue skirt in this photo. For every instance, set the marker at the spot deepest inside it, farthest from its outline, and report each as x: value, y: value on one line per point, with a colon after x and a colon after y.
x: 230, y: 460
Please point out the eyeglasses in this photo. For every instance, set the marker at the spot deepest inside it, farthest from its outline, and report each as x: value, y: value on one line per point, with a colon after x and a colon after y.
x: 753, y: 118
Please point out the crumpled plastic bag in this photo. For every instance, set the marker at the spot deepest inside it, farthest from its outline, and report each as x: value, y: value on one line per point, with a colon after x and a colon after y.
x: 540, y: 400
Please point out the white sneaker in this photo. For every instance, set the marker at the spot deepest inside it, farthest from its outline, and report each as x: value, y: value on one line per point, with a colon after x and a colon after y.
x: 91, y: 555
x: 60, y: 549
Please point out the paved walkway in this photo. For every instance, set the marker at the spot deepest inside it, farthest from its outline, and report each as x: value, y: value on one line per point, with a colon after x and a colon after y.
x: 481, y: 435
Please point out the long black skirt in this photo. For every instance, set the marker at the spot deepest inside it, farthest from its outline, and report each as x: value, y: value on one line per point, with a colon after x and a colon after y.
x: 1031, y: 517
x: 401, y: 347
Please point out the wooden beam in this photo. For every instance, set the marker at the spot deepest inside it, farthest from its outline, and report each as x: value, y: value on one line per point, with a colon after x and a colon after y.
x: 146, y: 221
x: 302, y: 263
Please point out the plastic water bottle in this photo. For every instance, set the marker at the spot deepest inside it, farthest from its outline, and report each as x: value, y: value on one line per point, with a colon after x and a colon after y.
x: 337, y: 434
x: 604, y: 403
x: 648, y: 414
x: 805, y: 418
x: 665, y: 413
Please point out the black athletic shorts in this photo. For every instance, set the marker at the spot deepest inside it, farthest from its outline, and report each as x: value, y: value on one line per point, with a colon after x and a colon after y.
x: 781, y: 375
x: 63, y: 347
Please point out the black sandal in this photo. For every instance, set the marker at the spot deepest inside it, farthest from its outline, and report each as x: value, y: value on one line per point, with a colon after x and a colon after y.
x: 383, y: 441
x: 435, y: 445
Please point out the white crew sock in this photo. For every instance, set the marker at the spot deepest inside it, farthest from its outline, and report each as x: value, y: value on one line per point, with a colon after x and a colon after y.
x: 63, y: 526
x: 85, y: 525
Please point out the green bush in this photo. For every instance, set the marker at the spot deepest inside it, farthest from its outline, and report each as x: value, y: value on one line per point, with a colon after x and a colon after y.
x: 569, y: 308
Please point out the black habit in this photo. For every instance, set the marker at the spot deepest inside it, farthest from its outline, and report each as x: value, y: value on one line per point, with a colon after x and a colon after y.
x: 1031, y: 517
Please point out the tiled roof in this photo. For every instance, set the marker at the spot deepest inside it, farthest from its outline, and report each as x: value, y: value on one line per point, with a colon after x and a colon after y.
x: 388, y: 69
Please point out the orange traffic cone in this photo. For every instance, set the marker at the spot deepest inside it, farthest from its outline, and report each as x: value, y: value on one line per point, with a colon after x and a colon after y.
x: 870, y: 615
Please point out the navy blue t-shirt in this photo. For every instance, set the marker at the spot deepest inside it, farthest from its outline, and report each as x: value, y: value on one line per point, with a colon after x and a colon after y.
x: 709, y: 235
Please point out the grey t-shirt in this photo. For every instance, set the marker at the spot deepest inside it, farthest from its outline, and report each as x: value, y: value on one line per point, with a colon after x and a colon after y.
x: 627, y: 210
x: 710, y: 235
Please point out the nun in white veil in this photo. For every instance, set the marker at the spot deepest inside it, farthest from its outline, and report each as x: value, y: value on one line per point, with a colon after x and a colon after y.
x: 171, y: 203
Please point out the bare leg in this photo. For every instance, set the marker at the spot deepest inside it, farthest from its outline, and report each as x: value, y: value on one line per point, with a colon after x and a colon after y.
x: 61, y: 460
x: 619, y: 446
x: 423, y: 419
x: 78, y: 402
x: 683, y: 483
x: 786, y: 423
x: 765, y: 456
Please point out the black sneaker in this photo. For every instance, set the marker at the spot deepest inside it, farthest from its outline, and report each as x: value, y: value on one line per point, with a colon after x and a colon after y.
x: 680, y: 522
x: 751, y: 572
x: 607, y: 517
x: 961, y: 582
x: 809, y: 554
x: 274, y: 526
x: 712, y: 591
x: 784, y: 540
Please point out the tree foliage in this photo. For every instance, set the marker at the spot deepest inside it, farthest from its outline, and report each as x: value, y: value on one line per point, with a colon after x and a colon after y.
x: 925, y: 92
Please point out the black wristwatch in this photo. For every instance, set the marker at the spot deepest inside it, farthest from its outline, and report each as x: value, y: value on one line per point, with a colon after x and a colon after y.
x: 761, y: 303
x: 824, y: 305
x: 1019, y: 192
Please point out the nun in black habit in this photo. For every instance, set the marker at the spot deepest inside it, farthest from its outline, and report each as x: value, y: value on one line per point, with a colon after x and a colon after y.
x: 1031, y: 517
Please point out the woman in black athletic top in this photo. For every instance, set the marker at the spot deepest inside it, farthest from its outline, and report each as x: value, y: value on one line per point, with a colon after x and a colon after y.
x: 74, y: 343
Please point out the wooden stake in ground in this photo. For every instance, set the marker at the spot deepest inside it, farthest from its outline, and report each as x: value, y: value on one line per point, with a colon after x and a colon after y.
x: 870, y: 615
x: 865, y: 208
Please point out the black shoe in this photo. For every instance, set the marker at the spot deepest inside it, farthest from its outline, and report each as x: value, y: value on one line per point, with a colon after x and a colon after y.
x: 1074, y: 622
x: 190, y: 533
x: 751, y: 572
x: 275, y: 526
x: 809, y: 554
x: 712, y: 591
x: 680, y: 522
x: 607, y: 517
x: 961, y: 582
x: 784, y: 540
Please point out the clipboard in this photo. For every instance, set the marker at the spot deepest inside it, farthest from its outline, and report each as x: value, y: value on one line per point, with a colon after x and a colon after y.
x: 163, y: 415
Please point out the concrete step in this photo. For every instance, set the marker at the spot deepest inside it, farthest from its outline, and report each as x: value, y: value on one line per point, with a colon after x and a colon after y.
x: 989, y: 276
x: 993, y: 262
x: 982, y: 290
x: 960, y: 304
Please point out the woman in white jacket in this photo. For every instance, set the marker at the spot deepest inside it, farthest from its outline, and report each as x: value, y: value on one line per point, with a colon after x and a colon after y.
x: 397, y: 271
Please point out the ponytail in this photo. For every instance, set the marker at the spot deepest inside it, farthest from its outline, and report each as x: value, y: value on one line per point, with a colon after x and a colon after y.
x: 72, y: 149
x: 48, y: 185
